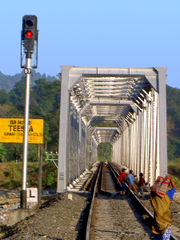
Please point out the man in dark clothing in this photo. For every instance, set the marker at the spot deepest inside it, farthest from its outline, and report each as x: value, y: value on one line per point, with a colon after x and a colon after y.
x: 141, y: 185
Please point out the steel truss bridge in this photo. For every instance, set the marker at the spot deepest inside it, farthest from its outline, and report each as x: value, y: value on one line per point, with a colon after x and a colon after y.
x: 132, y: 104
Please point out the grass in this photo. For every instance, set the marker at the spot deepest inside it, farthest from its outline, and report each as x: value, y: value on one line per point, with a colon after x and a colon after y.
x: 11, y: 175
x: 174, y: 171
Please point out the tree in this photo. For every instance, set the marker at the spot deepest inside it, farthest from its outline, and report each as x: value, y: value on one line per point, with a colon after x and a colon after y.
x: 3, y: 96
x: 173, y: 116
x: 17, y: 95
x: 45, y: 103
x: 2, y: 152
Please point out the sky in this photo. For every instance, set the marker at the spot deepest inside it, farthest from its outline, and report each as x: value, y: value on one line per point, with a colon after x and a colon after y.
x: 95, y: 33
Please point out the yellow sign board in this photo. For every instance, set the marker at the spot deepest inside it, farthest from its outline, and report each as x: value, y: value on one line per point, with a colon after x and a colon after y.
x: 12, y: 130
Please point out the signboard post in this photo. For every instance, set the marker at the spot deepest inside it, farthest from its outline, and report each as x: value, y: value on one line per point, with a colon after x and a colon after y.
x: 40, y: 158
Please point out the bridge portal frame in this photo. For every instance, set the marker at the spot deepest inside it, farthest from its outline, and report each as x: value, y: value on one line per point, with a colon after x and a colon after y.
x: 70, y: 75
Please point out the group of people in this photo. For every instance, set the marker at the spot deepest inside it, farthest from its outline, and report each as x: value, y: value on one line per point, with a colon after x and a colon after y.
x: 160, y: 201
x: 130, y: 180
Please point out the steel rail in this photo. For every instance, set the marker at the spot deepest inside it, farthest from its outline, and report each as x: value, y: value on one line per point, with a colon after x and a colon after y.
x: 92, y: 204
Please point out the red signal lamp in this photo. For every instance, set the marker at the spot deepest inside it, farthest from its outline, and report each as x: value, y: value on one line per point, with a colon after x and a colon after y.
x: 29, y: 34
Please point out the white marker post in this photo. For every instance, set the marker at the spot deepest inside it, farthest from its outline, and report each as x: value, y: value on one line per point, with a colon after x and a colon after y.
x: 27, y: 71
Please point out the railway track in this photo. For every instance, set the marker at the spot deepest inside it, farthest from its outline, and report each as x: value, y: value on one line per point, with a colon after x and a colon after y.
x: 112, y: 216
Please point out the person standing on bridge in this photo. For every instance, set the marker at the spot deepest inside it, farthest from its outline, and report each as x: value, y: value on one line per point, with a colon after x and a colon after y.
x: 122, y: 180
x: 162, y: 213
x: 130, y: 180
x: 141, y: 185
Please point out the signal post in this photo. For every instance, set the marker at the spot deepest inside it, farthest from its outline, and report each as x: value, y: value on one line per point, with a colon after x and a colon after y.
x: 29, y: 51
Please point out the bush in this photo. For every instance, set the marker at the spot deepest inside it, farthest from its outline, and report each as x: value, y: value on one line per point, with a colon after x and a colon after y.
x: 176, y: 180
x: 50, y: 179
x: 2, y: 152
x: 11, y: 175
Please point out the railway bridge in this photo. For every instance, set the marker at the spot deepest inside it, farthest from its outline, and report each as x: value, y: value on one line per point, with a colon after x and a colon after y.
x: 131, y: 104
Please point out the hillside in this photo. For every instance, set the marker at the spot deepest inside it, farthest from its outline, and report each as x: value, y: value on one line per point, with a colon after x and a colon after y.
x: 7, y: 82
x: 173, y: 122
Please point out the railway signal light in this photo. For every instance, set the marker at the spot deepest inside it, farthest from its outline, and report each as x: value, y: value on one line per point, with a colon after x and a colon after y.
x: 29, y: 32
x: 29, y: 40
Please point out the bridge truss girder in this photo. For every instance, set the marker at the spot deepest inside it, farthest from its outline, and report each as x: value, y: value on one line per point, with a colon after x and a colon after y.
x: 131, y: 103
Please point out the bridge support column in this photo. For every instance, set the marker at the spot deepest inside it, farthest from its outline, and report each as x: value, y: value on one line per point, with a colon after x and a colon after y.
x: 63, y: 141
x: 162, y: 122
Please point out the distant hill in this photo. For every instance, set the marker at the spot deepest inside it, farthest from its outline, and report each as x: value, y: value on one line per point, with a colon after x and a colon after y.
x: 173, y: 122
x: 7, y: 82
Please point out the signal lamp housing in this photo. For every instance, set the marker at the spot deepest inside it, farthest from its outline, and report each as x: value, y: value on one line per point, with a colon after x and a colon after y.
x: 29, y: 39
x: 29, y: 32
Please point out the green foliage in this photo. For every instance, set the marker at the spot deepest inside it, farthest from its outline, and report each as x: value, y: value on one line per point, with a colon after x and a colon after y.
x: 50, y: 179
x: 173, y: 123
x: 173, y: 148
x: 3, y: 96
x: 44, y: 103
x: 11, y: 175
x: 17, y: 95
x: 6, y: 183
x: 176, y: 180
x: 12, y: 150
x: 104, y: 151
x: 2, y: 152
x: 32, y: 152
x: 174, y: 170
x: 6, y: 110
